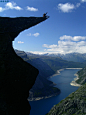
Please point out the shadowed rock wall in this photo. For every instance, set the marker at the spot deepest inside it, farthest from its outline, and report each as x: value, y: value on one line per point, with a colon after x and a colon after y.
x: 16, y: 76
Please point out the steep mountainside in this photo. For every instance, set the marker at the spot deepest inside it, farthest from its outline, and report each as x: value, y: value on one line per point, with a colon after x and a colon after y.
x: 56, y: 62
x: 42, y: 86
x: 75, y: 103
x: 82, y: 76
x: 47, y: 66
x: 16, y: 76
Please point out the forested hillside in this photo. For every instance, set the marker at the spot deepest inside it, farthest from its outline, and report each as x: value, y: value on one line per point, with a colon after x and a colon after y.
x: 75, y: 103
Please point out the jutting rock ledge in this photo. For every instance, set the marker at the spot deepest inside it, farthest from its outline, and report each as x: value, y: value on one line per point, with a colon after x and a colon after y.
x: 16, y: 76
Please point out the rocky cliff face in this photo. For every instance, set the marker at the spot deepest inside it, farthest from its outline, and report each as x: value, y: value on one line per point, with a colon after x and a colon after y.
x: 16, y: 76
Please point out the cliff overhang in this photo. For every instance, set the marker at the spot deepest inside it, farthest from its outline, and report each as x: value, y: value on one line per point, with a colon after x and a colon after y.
x: 16, y: 76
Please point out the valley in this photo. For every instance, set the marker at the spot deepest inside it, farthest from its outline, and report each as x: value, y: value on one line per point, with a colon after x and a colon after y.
x: 47, y: 66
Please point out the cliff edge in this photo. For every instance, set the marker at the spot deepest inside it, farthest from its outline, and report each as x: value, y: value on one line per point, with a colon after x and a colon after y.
x: 16, y: 76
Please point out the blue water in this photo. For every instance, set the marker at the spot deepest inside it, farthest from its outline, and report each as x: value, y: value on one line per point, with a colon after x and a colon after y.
x: 41, y: 107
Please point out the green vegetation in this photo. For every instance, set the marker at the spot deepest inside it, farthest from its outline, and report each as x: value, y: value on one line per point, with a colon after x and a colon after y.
x: 47, y: 66
x: 46, y: 91
x: 82, y: 76
x: 57, y: 63
x: 75, y: 103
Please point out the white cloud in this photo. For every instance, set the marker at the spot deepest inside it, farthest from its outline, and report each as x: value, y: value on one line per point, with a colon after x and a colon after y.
x: 37, y: 52
x: 50, y: 46
x: 83, y: 0
x: 75, y: 38
x: 1, y: 9
x: 29, y: 34
x: 36, y: 34
x: 67, y: 7
x: 78, y: 4
x: 32, y: 9
x: 70, y: 45
x: 45, y: 45
x: 19, y: 42
x: 10, y: 5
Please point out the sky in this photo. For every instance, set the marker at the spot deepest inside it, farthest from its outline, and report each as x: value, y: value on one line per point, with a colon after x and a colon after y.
x: 64, y: 32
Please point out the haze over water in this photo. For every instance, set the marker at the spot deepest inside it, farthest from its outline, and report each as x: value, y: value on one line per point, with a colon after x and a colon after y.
x: 63, y: 81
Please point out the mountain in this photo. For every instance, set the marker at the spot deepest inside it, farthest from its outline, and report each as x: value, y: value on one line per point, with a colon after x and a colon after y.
x: 57, y: 62
x: 82, y: 76
x: 75, y: 103
x: 42, y: 87
x: 47, y: 66
x: 75, y: 57
x: 16, y: 76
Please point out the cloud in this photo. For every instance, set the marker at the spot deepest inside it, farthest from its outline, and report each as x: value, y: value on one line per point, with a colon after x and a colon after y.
x: 32, y: 9
x: 67, y: 7
x: 19, y: 42
x: 45, y: 45
x: 29, y: 34
x: 2, y: 9
x: 78, y: 4
x: 70, y: 45
x: 10, y: 5
x: 50, y: 46
x: 83, y: 0
x: 37, y: 52
x: 75, y: 38
x: 35, y: 34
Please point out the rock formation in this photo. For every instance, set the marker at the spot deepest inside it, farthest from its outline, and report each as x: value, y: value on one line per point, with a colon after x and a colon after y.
x: 16, y: 76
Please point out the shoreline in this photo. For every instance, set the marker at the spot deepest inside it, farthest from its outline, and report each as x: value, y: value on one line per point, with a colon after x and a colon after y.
x: 45, y: 97
x: 73, y: 68
x: 73, y: 83
x: 58, y: 71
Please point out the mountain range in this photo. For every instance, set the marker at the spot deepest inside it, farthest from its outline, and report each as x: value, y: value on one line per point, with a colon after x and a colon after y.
x: 75, y: 57
x: 47, y: 66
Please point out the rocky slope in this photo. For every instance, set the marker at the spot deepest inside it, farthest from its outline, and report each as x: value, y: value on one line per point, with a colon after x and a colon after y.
x: 16, y: 76
x: 75, y: 103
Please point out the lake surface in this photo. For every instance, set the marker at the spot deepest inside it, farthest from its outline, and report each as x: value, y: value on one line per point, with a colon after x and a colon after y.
x: 63, y: 80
